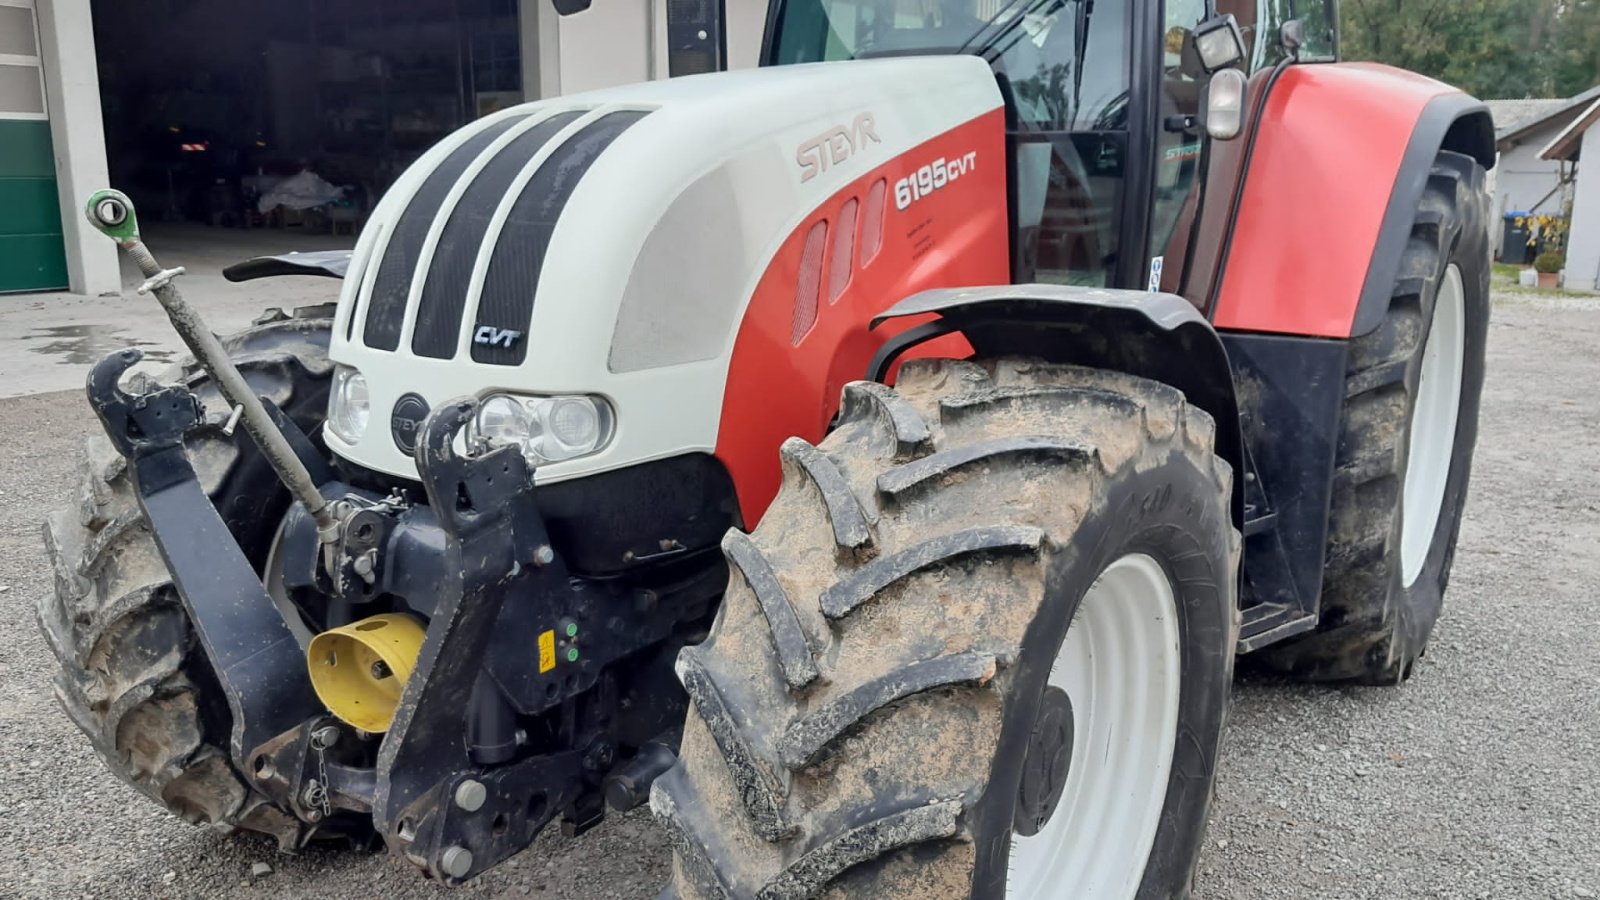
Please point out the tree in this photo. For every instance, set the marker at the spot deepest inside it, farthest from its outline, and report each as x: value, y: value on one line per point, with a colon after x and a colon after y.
x: 1576, y: 48
x: 1490, y: 48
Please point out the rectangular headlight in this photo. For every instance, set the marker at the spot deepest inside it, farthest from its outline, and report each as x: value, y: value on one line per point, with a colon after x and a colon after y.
x: 548, y: 429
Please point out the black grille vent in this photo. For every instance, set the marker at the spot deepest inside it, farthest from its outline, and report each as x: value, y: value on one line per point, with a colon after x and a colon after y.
x: 386, y: 311
x: 513, y: 276
x: 444, y: 294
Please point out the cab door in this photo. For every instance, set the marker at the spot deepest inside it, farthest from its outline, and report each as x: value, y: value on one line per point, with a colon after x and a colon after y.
x: 1103, y: 107
x: 1065, y: 68
x: 1181, y: 146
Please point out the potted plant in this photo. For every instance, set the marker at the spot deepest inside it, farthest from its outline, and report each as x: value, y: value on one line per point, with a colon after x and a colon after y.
x: 1548, y: 265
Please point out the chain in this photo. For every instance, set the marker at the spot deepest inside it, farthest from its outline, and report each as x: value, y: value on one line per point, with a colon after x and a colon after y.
x: 317, y: 791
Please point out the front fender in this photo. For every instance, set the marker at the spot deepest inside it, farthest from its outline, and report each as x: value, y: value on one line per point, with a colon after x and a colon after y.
x: 1157, y: 336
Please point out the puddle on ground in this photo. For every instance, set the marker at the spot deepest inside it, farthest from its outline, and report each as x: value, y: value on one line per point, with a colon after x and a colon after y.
x: 88, y: 344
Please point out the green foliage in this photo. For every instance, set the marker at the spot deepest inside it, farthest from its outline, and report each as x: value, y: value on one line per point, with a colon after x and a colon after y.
x: 1548, y: 263
x: 1490, y: 48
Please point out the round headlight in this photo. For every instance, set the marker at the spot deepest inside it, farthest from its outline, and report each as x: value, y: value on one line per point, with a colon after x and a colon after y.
x: 349, y: 407
x: 503, y: 420
x: 575, y: 423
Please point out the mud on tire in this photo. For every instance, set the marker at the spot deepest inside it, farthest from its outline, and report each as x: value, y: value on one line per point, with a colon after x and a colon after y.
x: 133, y: 677
x: 1374, y: 625
x: 864, y: 704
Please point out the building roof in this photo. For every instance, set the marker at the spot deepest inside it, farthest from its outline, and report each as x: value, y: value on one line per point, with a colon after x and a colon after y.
x: 1511, y: 114
x: 1566, y: 144
x: 1513, y: 119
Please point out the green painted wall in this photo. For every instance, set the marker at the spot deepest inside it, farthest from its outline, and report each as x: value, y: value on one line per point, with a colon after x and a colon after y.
x: 32, y: 253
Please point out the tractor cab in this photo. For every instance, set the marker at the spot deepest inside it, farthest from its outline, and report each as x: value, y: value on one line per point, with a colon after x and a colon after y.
x: 1107, y: 119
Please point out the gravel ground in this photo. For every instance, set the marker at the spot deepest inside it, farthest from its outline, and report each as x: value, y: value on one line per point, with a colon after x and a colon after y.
x: 1479, y: 778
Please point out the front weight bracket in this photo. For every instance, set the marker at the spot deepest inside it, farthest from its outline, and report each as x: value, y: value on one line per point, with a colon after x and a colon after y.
x: 257, y: 661
x: 495, y: 538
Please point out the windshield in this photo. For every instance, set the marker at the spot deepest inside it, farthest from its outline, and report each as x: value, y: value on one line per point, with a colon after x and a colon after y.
x: 1064, y: 61
x: 828, y: 30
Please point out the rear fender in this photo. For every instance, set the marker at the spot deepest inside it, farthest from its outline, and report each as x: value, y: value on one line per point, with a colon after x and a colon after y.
x: 1337, y: 168
x: 1157, y: 336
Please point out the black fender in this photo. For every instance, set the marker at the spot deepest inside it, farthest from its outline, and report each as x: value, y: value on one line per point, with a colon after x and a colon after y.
x: 1157, y: 336
x: 1454, y: 122
x: 326, y: 263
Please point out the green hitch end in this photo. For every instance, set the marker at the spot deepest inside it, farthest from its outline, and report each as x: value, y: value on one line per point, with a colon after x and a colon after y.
x: 111, y: 212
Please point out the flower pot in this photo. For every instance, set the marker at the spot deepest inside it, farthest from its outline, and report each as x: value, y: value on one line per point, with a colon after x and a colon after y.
x: 1549, y: 281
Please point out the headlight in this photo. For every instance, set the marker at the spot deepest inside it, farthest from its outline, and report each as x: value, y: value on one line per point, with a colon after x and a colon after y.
x: 548, y: 429
x: 349, y: 407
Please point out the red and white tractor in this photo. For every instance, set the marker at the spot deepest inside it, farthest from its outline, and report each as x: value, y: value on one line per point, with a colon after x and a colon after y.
x: 874, y: 461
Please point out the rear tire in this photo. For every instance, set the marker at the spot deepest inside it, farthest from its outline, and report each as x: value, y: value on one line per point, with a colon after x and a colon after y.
x: 879, y: 711
x: 134, y: 678
x: 1384, y: 577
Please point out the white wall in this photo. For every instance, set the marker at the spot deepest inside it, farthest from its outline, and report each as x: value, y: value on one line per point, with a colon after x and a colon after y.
x: 1524, y: 178
x: 72, y: 92
x: 1583, y: 241
x: 610, y: 43
x: 616, y: 42
x: 1523, y: 181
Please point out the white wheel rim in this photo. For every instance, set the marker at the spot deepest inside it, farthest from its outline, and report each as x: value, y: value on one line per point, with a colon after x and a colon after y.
x: 1120, y: 667
x: 1432, y: 439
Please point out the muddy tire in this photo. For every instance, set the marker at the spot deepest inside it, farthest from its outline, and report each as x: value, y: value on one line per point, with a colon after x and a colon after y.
x: 134, y: 677
x: 885, y: 705
x: 1403, y: 443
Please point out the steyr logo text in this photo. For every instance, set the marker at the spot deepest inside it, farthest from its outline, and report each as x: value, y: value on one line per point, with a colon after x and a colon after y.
x: 835, y: 145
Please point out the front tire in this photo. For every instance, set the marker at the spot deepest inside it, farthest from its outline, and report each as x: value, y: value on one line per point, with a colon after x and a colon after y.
x: 133, y: 676
x: 981, y: 644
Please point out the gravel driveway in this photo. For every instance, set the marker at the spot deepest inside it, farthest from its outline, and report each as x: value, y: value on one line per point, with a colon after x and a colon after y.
x: 1479, y: 778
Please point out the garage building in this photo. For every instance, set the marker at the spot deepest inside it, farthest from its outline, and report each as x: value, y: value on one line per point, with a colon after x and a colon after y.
x: 201, y: 109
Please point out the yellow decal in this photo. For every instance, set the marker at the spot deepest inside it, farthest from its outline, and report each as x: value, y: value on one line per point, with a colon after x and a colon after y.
x: 547, y: 652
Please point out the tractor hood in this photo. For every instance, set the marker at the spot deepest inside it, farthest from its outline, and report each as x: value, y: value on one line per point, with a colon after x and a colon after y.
x: 608, y: 244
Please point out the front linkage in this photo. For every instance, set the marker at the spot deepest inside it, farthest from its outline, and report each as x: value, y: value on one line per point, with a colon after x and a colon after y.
x: 518, y: 707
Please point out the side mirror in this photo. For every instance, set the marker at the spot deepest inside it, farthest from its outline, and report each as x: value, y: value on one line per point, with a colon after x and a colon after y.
x: 1292, y: 36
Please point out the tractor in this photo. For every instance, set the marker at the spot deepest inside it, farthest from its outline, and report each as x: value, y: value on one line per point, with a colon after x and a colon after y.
x: 874, y: 461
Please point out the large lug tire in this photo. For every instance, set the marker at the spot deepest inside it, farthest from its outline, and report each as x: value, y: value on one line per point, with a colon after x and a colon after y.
x: 886, y: 705
x: 134, y: 677
x: 1405, y: 447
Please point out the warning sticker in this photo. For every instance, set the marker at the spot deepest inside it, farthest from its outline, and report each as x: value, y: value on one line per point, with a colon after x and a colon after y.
x: 547, y: 652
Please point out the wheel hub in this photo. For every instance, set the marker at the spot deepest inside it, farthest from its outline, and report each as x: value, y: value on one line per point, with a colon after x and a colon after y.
x: 1099, y: 761
x: 1044, y: 772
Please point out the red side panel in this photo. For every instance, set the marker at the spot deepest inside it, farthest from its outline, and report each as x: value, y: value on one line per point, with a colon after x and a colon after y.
x: 1330, y: 145
x: 804, y: 335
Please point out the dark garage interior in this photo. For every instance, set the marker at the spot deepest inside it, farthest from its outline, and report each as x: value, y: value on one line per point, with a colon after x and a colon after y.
x: 291, y: 115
